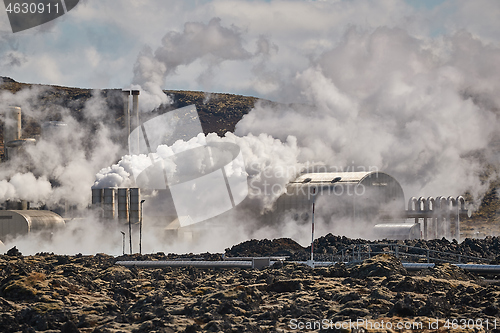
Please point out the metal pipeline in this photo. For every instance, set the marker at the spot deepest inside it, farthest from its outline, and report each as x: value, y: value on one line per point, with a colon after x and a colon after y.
x: 173, y: 263
x: 473, y: 268
x: 237, y: 262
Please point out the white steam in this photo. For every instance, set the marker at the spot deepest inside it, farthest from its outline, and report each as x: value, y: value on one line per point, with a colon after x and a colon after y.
x: 60, y: 167
x: 209, y: 43
x: 387, y: 100
x: 422, y: 110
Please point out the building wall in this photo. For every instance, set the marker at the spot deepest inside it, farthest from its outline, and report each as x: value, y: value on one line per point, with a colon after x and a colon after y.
x: 364, y: 198
x: 20, y: 222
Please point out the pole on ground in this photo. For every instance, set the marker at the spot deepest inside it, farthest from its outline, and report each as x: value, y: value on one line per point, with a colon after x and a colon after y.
x: 312, y: 225
x: 140, y: 230
x: 123, y: 242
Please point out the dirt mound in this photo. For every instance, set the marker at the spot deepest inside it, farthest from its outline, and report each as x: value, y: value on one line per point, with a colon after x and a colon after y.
x: 380, y: 265
x: 264, y: 248
x: 327, y: 246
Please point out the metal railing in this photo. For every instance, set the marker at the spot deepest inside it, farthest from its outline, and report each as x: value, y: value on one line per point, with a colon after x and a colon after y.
x: 406, y: 253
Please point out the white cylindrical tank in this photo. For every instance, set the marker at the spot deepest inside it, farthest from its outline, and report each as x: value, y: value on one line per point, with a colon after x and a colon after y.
x: 109, y: 203
x: 12, y: 127
x: 123, y: 201
x: 51, y: 129
x: 135, y: 205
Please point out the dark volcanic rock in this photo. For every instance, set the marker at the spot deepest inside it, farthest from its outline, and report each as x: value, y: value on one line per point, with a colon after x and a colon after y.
x: 14, y: 252
x: 262, y: 248
x: 380, y: 265
x: 56, y: 293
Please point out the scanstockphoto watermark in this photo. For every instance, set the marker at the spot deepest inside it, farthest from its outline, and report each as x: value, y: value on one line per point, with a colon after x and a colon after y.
x: 280, y: 171
x: 24, y: 15
x: 273, y: 181
x: 366, y: 324
x: 265, y: 188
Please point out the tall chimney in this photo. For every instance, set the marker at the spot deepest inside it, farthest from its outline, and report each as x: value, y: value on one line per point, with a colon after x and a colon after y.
x: 12, y: 127
x: 126, y: 110
x: 135, y: 107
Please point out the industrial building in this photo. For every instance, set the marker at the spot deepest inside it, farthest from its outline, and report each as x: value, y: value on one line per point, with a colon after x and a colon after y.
x: 371, y: 202
x: 13, y: 142
x: 359, y: 195
x: 21, y: 222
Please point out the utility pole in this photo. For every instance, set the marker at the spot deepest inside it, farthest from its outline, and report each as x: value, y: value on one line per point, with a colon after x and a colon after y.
x: 140, y: 230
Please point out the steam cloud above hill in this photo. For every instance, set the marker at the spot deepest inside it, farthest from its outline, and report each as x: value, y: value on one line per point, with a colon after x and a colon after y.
x: 423, y: 110
x: 211, y: 43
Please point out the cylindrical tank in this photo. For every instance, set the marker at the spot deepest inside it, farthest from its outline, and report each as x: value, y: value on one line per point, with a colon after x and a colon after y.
x: 135, y: 205
x: 123, y: 205
x: 52, y: 128
x: 17, y: 205
x: 97, y: 197
x: 12, y: 127
x: 97, y: 200
x: 109, y: 203
x: 17, y: 147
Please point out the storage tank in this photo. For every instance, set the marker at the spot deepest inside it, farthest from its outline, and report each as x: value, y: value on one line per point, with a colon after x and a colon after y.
x: 12, y: 124
x: 53, y: 129
x: 21, y: 222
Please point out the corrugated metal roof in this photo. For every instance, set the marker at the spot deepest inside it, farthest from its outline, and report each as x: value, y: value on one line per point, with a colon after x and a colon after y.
x: 37, y: 219
x: 327, y: 177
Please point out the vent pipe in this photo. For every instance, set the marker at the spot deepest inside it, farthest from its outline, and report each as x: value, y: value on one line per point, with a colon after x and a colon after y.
x: 135, y: 113
x: 126, y: 110
x: 12, y: 127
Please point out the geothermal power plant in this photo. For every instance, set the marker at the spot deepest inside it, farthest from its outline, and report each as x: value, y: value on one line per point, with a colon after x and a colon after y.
x: 372, y: 201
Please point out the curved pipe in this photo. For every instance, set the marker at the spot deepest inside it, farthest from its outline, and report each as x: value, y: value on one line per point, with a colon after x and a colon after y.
x: 461, y: 201
x: 422, y: 204
x: 412, y: 204
x: 430, y: 204
x: 452, y: 202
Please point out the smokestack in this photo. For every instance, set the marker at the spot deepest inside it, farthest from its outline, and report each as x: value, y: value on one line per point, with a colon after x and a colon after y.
x: 126, y: 110
x: 135, y: 113
x: 13, y: 124
x: 12, y: 127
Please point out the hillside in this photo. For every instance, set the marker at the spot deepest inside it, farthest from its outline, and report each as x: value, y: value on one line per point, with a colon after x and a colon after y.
x: 218, y: 113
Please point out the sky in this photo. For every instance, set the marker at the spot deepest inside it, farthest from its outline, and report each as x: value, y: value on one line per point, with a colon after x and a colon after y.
x: 97, y: 44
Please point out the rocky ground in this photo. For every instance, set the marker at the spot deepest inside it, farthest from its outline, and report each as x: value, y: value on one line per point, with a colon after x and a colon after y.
x: 55, y: 293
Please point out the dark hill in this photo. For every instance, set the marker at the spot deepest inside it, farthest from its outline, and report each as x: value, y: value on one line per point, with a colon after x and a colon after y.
x: 219, y: 113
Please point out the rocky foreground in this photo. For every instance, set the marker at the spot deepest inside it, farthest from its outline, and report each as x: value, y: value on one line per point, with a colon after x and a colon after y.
x: 55, y: 293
